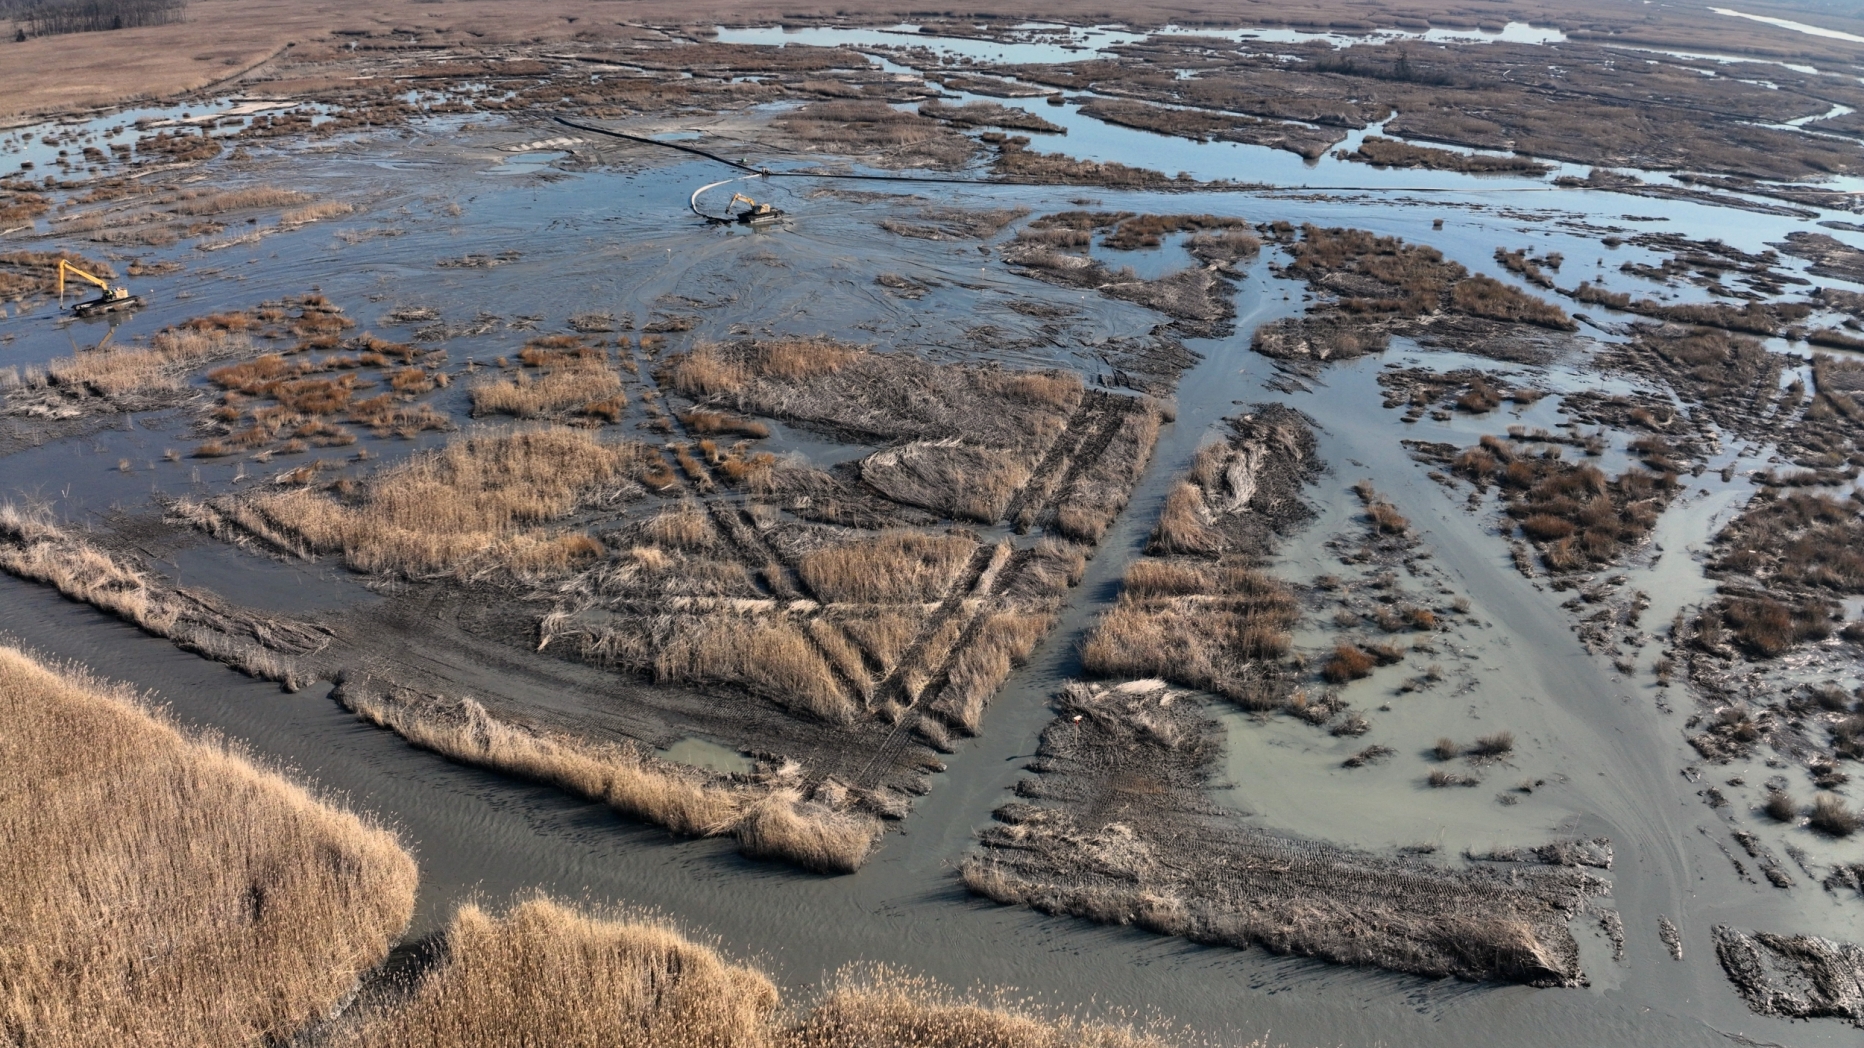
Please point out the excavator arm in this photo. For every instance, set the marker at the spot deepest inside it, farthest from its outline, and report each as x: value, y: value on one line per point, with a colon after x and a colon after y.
x: 65, y: 267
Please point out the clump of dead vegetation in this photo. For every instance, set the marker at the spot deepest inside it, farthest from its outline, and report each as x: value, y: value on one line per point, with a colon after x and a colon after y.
x: 162, y: 889
x: 1014, y: 162
x: 874, y: 131
x: 1573, y: 513
x: 1239, y: 494
x: 1215, y: 239
x: 1387, y: 152
x: 1203, y: 125
x: 1734, y: 378
x: 478, y: 504
x: 1760, y: 625
x: 990, y: 114
x: 547, y: 973
x: 1796, y: 541
x: 1381, y: 286
x: 124, y: 378
x: 1197, y: 612
x: 573, y: 381
x: 1208, y: 627
x: 1115, y: 829
x: 767, y: 814
x: 1053, y: 249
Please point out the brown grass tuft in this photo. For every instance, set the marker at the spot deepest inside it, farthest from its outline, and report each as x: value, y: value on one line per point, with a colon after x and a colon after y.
x: 1832, y: 818
x: 1347, y: 663
x: 1495, y: 744
x: 241, y: 200
x: 162, y: 890
x: 709, y: 422
x: 554, y: 393
x: 1183, y: 524
x: 780, y: 826
x: 706, y: 371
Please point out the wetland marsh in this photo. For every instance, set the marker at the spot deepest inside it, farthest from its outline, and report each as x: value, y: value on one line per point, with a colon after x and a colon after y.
x: 1319, y: 572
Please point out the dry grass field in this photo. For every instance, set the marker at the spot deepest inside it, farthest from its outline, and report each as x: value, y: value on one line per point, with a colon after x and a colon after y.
x: 545, y: 974
x: 475, y: 504
x: 161, y: 890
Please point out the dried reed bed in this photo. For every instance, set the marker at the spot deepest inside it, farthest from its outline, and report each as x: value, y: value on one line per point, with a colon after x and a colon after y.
x: 162, y: 890
x: 715, y: 368
x: 769, y: 818
x: 1000, y: 642
x: 1194, y: 624
x: 123, y: 370
x: 1101, y: 490
x: 38, y: 549
x: 1798, y: 539
x: 309, y: 213
x: 1577, y: 516
x: 594, y: 391
x: 1387, y: 152
x: 881, y: 398
x: 767, y: 653
x: 468, y: 507
x: 872, y: 128
x: 949, y: 477
x: 1184, y: 524
x: 241, y: 200
x: 887, y: 1008
x: 896, y: 567
x: 545, y: 974
x: 34, y: 547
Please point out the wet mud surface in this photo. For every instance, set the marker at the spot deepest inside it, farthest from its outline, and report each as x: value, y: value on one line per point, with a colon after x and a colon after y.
x: 1511, y: 691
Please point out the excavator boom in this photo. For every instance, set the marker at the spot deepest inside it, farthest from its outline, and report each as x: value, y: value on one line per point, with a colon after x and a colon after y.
x: 65, y: 267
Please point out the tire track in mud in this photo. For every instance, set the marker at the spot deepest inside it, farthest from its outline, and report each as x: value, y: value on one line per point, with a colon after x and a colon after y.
x: 941, y: 679
x: 1112, y: 414
x: 1064, y: 447
x: 895, y: 683
x: 730, y: 515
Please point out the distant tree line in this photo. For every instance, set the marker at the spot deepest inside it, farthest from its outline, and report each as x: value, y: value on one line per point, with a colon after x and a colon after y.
x: 47, y: 17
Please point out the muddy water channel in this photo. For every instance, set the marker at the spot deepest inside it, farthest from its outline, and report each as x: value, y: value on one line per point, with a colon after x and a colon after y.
x: 605, y: 227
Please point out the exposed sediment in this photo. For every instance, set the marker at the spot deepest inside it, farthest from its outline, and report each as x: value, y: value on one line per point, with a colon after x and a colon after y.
x: 1116, y: 829
x: 1794, y: 976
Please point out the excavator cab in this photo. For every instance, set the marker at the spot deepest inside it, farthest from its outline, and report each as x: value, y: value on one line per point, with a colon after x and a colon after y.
x: 754, y: 214
x: 109, y: 299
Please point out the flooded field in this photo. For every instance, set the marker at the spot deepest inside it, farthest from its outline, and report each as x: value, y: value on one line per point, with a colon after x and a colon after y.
x: 452, y: 451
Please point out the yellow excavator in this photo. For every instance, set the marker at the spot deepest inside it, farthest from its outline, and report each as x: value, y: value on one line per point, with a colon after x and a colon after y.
x: 111, y: 299
x: 754, y: 214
